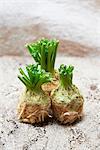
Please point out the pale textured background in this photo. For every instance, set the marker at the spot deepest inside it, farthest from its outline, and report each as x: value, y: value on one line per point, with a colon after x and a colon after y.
x: 76, y: 23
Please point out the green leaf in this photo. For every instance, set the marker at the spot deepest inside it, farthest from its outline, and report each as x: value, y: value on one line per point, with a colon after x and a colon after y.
x: 44, y: 52
x: 66, y: 75
x: 35, y: 76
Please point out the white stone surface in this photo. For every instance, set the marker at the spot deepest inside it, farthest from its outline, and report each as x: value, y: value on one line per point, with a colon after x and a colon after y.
x: 83, y: 135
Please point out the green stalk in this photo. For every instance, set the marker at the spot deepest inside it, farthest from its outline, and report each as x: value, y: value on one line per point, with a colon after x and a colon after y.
x: 22, y: 72
x: 49, y: 63
x: 25, y: 81
x: 35, y: 77
x: 44, y: 52
x: 54, y: 54
x: 43, y: 57
x: 66, y: 76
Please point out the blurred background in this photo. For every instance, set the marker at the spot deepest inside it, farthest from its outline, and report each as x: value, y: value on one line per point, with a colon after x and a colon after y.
x: 76, y: 23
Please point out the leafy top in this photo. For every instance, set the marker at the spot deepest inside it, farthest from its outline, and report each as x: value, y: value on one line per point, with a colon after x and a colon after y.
x: 33, y: 77
x: 44, y: 52
x: 66, y: 75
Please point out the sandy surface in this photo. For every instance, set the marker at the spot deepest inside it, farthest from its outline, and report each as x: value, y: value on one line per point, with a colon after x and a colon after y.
x: 84, y: 135
x: 75, y: 22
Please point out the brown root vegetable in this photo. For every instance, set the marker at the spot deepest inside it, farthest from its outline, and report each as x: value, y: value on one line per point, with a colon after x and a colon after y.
x: 34, y: 104
x: 48, y: 90
x: 53, y: 85
x: 33, y: 107
x: 50, y: 86
x: 67, y: 105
